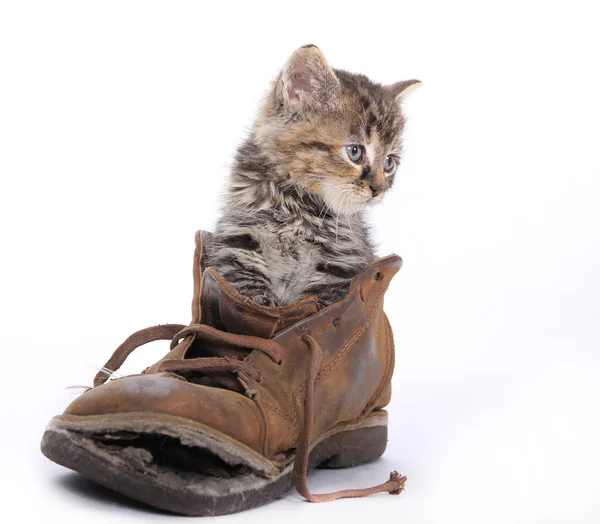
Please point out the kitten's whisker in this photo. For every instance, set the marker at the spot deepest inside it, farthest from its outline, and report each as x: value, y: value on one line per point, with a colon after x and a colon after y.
x: 324, y: 210
x: 344, y: 194
x: 337, y: 221
x: 348, y: 214
x: 335, y: 199
x: 321, y: 214
x: 340, y: 194
x: 348, y: 218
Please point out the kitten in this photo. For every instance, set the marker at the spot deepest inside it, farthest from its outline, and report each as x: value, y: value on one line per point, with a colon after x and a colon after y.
x: 326, y: 144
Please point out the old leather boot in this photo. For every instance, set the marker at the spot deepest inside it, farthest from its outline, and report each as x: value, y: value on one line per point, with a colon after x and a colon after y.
x: 247, y: 401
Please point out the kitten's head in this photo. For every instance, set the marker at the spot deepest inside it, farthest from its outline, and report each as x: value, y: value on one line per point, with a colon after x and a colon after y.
x: 336, y: 134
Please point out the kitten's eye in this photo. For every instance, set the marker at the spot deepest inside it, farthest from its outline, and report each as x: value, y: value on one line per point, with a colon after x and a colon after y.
x: 355, y: 153
x: 390, y: 164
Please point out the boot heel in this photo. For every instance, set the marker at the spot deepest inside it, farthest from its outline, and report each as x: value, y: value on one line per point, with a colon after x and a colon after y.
x: 354, y: 447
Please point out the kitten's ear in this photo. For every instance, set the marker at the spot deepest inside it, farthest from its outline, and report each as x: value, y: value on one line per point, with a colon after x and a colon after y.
x: 307, y: 80
x: 400, y: 90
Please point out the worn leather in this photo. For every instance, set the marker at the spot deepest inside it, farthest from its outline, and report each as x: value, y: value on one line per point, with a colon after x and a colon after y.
x: 354, y: 378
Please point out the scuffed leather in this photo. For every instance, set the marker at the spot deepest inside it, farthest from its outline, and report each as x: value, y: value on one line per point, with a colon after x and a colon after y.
x: 354, y: 377
x: 160, y: 393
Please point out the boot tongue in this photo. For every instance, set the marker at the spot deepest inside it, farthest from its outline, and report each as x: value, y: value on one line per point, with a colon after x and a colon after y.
x: 218, y: 304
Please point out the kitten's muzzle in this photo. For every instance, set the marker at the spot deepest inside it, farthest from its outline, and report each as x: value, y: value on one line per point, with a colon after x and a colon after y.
x: 375, y: 183
x: 376, y: 189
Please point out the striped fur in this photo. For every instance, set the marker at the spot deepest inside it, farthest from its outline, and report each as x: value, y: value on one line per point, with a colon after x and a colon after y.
x: 293, y: 223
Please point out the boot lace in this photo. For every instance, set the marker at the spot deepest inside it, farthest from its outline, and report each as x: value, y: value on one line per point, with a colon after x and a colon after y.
x: 221, y: 344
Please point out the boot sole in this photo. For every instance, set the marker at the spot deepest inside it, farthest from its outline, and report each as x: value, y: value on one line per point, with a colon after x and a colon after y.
x: 187, y: 493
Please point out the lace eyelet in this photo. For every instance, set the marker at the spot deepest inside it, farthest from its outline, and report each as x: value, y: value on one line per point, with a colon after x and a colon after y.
x: 378, y: 276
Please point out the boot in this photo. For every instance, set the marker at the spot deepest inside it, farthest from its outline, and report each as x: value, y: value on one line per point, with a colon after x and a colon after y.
x: 246, y: 402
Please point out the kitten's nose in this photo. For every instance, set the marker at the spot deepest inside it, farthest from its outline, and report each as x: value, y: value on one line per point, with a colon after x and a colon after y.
x: 377, y: 189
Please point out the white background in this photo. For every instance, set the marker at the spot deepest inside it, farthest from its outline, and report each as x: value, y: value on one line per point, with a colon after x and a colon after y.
x: 118, y: 121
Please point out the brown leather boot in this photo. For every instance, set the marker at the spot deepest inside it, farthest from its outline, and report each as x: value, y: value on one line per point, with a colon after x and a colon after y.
x: 246, y: 402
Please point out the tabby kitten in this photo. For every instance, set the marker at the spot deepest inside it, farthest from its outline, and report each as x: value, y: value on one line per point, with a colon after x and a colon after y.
x: 326, y: 144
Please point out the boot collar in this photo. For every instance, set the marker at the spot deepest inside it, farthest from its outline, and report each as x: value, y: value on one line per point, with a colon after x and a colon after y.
x: 216, y: 303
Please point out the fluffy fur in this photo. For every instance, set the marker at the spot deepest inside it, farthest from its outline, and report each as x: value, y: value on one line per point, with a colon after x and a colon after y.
x: 293, y: 224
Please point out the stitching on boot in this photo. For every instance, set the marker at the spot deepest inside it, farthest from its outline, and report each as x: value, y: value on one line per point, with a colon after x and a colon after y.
x: 278, y: 411
x: 264, y: 427
x: 327, y: 369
